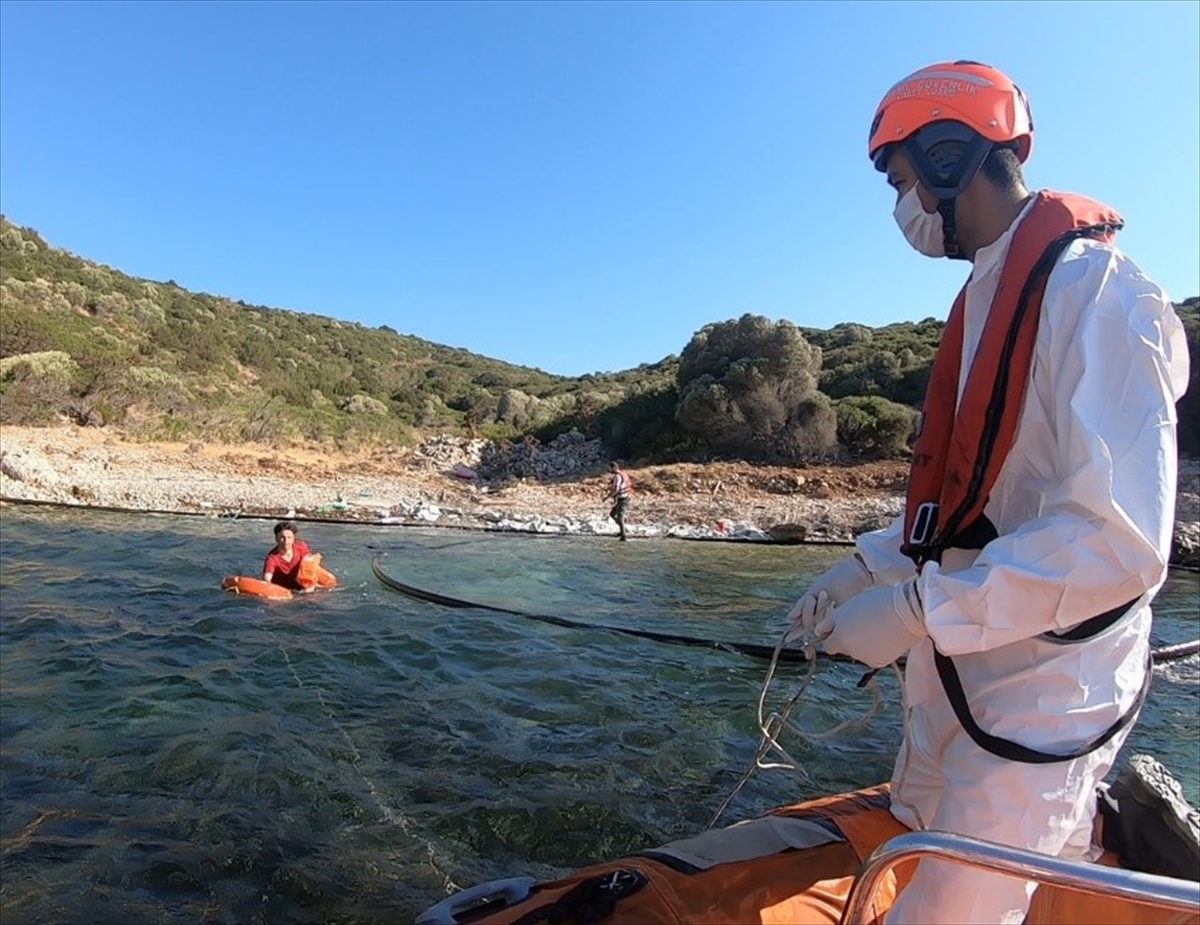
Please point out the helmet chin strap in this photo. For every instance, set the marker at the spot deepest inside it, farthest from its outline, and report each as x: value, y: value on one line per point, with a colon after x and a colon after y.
x: 950, y: 229
x: 947, y: 175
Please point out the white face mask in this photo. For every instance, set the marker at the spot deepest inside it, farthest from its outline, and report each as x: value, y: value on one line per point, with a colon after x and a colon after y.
x: 922, y: 229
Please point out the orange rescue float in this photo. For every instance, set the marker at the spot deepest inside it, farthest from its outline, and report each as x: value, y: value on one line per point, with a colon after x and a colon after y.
x: 255, y: 587
x: 310, y: 575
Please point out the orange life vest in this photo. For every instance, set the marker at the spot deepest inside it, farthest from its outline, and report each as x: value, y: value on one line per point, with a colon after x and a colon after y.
x: 959, y: 452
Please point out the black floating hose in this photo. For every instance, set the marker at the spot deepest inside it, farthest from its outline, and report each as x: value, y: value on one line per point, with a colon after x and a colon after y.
x: 744, y: 648
x: 754, y: 650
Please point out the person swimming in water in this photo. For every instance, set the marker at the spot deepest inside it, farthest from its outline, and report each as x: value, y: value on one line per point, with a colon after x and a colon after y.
x: 282, y: 564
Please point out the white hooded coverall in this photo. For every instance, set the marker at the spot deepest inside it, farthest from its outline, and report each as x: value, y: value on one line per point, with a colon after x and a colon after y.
x: 1084, y: 507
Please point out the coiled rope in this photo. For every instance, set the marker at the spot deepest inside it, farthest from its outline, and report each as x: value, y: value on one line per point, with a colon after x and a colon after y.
x: 771, y: 726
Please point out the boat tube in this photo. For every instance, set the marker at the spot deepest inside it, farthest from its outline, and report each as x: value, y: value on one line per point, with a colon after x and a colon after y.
x: 798, y: 865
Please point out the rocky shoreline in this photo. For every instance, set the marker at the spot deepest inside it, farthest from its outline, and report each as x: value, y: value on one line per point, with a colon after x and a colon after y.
x: 474, y: 484
x: 446, y: 482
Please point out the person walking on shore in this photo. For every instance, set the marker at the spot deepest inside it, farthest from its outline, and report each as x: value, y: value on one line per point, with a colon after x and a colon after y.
x: 1037, y: 526
x: 619, y: 489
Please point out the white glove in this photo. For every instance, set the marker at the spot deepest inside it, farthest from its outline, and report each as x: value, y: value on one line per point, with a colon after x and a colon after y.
x: 838, y: 584
x: 877, y: 626
x: 809, y: 611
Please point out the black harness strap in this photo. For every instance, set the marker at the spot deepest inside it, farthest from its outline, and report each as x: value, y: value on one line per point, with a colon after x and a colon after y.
x: 979, y: 533
x: 1093, y: 626
x: 1014, y: 751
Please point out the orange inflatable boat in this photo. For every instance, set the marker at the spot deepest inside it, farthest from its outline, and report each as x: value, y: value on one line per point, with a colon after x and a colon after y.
x: 841, y: 860
x: 310, y: 576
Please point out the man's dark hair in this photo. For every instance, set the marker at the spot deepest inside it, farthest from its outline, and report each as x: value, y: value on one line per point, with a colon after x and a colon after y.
x: 1003, y: 170
x: 285, y: 525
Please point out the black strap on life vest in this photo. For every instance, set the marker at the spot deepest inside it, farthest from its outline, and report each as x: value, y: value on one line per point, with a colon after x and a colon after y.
x: 975, y: 535
x: 1014, y: 751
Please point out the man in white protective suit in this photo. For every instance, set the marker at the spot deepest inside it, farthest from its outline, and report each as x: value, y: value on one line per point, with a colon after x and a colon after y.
x: 1038, y: 520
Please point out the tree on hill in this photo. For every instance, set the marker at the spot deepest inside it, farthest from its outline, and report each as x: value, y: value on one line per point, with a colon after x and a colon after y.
x: 749, y: 387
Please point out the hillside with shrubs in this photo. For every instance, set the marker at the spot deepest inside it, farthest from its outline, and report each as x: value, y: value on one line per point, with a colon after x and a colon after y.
x: 86, y: 342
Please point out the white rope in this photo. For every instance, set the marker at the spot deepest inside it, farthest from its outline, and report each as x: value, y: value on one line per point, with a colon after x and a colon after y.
x: 774, y: 724
x: 390, y: 815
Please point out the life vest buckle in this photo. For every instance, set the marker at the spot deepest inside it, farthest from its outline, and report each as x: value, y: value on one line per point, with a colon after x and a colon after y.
x: 924, y: 524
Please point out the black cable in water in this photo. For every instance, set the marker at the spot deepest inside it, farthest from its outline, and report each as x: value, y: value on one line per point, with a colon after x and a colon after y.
x: 754, y: 650
x: 744, y: 648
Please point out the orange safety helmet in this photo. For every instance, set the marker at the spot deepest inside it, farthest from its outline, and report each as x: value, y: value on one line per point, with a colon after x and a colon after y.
x: 980, y: 97
x: 947, y: 118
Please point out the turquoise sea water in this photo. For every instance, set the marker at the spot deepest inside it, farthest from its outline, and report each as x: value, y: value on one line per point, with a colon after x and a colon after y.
x: 173, y: 753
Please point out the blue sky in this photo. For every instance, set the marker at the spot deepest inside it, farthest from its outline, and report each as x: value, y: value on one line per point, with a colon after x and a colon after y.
x: 573, y: 186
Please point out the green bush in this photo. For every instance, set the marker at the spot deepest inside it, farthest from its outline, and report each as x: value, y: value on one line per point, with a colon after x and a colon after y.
x: 744, y: 387
x: 46, y: 364
x: 873, y: 426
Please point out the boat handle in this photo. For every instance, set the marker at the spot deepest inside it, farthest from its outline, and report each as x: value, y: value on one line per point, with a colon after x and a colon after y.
x: 497, y: 893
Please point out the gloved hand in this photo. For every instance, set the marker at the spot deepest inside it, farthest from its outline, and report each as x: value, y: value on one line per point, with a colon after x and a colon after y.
x: 877, y: 626
x: 805, y: 616
x: 838, y: 584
